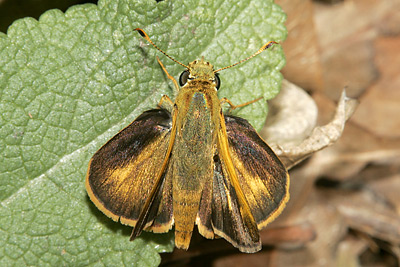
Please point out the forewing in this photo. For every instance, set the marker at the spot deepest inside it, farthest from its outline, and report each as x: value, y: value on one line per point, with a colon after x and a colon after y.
x: 122, y: 173
x: 263, y: 178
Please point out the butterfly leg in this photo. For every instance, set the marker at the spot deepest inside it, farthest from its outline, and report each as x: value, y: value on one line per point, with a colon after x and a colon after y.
x: 166, y: 103
x: 233, y: 106
x: 169, y: 77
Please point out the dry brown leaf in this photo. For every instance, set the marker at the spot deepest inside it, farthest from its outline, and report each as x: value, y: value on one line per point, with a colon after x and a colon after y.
x: 303, y: 65
x: 330, y: 229
x: 289, y: 237
x: 379, y: 109
x: 292, y: 151
x: 355, y: 150
x: 351, y: 66
x: 389, y: 187
x: 348, y: 252
x: 292, y: 117
x: 378, y: 223
x: 345, y: 34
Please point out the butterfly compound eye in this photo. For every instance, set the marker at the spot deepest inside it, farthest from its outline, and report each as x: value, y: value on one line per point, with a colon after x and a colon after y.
x: 183, y: 78
x: 217, y: 81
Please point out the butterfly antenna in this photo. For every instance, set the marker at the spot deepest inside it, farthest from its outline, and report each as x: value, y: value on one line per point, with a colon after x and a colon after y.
x: 264, y: 47
x: 145, y: 36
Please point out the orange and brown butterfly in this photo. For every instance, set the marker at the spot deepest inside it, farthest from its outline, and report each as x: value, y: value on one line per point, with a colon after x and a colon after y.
x: 185, y: 163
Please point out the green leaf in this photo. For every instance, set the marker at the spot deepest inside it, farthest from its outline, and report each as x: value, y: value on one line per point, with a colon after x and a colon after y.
x: 71, y: 81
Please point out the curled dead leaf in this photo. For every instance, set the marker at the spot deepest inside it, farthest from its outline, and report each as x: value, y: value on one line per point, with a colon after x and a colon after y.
x: 292, y: 133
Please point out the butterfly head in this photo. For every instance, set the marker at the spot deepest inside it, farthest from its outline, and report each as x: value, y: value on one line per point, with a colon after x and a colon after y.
x: 199, y: 70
